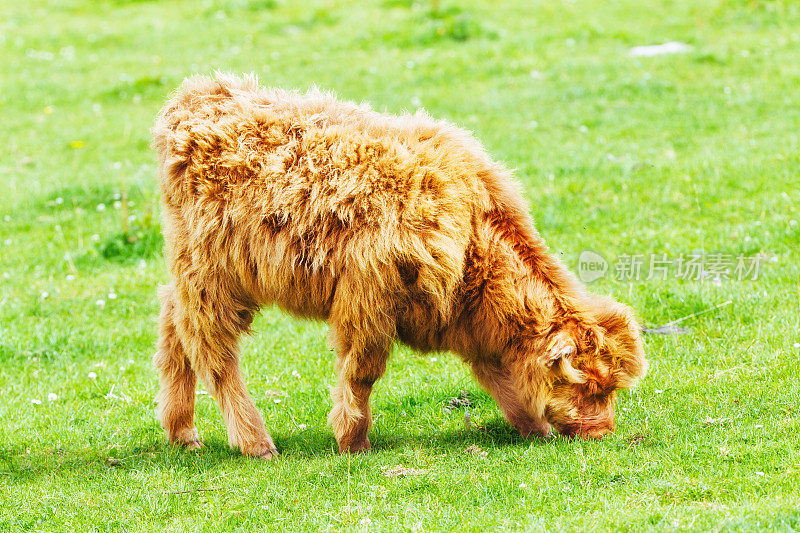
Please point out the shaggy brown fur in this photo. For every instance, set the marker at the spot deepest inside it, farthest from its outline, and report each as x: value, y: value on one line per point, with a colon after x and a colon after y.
x: 388, y: 227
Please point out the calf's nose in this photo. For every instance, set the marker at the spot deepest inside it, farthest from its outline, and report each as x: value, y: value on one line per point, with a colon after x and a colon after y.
x: 594, y: 433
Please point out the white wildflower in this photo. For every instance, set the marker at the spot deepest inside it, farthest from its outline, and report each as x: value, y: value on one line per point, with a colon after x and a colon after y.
x: 672, y: 47
x: 402, y: 471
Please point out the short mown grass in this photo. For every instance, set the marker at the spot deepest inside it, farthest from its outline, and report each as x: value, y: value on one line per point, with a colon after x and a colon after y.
x: 686, y: 154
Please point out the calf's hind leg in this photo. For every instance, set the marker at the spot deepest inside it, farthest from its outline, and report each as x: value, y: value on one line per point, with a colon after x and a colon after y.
x: 362, y: 336
x: 351, y: 418
x: 177, y: 379
x: 209, y: 325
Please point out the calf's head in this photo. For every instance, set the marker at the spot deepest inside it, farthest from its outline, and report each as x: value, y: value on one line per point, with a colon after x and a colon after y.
x: 582, y: 364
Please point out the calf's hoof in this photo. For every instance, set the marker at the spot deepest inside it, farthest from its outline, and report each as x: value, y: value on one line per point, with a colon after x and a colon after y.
x: 194, y: 445
x: 357, y: 446
x: 263, y: 450
x: 188, y: 438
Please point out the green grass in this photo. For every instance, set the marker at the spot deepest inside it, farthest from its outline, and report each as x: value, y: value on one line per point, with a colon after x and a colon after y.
x: 617, y: 154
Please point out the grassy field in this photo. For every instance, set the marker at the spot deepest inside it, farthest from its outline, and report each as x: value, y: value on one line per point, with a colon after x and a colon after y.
x: 684, y: 156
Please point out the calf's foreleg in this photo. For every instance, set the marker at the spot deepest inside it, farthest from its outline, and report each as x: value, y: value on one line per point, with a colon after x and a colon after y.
x: 496, y: 378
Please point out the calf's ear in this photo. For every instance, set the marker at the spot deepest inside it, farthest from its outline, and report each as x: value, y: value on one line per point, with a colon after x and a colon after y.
x: 558, y: 354
x: 559, y: 347
x: 622, y: 339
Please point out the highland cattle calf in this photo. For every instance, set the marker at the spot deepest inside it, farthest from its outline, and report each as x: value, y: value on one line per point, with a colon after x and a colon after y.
x: 388, y: 227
